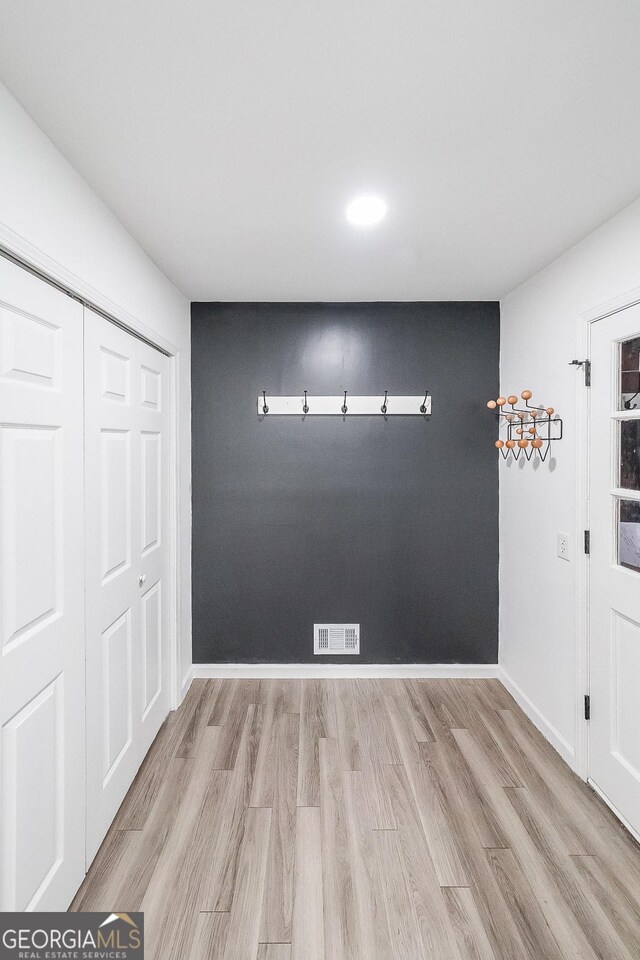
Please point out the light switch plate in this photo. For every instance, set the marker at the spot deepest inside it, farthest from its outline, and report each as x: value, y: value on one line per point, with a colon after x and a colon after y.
x: 563, y: 546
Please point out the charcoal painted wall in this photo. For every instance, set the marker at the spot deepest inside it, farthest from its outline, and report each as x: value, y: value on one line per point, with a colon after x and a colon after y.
x: 393, y: 525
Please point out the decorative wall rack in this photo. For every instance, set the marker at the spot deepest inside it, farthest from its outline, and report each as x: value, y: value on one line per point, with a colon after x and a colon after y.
x: 530, y: 429
x: 344, y: 405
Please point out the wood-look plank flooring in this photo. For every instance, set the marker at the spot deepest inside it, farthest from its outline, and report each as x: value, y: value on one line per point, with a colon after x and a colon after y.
x: 365, y: 820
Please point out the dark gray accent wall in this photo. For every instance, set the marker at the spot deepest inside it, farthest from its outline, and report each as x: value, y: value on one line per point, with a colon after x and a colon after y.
x: 391, y: 524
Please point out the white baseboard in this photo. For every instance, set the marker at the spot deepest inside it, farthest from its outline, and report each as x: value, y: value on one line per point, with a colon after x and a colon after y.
x: 625, y: 823
x: 546, y: 728
x: 278, y: 671
x: 186, y: 683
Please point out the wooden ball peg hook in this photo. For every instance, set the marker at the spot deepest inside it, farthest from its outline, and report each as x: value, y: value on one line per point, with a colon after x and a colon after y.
x: 551, y: 411
x: 510, y: 444
x: 537, y: 443
x: 512, y: 399
x: 491, y: 404
x: 526, y: 394
x: 523, y: 443
x: 501, y: 401
x: 499, y: 444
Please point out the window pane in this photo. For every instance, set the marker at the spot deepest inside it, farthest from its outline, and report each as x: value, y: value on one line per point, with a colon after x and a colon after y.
x: 630, y: 374
x: 629, y: 534
x: 630, y: 454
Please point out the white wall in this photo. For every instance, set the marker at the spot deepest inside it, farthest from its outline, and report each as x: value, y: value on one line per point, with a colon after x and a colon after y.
x: 45, y: 203
x: 539, y: 336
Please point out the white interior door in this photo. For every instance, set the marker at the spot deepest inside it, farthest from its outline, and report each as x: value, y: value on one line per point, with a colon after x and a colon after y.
x: 127, y: 546
x: 41, y: 594
x: 614, y: 497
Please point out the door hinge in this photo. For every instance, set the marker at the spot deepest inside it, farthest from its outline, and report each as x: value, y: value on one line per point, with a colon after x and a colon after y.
x: 586, y: 368
x: 587, y: 542
x: 587, y: 707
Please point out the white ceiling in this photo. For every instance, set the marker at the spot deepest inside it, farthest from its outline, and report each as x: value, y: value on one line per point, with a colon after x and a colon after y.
x: 228, y: 135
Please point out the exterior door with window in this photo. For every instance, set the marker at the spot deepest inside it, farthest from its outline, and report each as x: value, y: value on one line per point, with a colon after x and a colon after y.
x: 614, y: 503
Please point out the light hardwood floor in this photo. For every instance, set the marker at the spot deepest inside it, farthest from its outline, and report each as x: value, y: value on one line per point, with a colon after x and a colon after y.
x: 365, y: 820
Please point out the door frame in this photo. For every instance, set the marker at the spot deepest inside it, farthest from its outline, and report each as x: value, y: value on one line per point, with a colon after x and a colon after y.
x: 628, y: 299
x: 29, y: 257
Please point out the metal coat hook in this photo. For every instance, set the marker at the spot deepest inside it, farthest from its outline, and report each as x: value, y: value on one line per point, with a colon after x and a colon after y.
x: 344, y: 405
x: 305, y: 406
x: 423, y: 405
x: 265, y: 408
x: 384, y: 405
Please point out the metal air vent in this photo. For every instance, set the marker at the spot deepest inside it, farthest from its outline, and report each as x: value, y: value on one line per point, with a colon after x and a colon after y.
x: 336, y: 638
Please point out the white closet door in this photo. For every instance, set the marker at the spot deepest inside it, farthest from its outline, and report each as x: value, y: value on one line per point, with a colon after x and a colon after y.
x: 127, y: 514
x: 41, y: 594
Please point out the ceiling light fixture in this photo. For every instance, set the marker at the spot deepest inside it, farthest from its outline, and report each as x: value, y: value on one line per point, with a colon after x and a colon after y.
x: 367, y: 210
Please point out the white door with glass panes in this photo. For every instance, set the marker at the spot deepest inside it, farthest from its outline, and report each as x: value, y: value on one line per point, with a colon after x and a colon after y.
x: 41, y: 594
x: 614, y: 564
x: 127, y: 410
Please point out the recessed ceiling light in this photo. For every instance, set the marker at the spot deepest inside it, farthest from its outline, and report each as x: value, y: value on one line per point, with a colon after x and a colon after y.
x: 367, y: 210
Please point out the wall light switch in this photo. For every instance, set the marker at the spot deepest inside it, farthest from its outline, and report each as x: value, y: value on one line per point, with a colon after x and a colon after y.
x: 563, y: 546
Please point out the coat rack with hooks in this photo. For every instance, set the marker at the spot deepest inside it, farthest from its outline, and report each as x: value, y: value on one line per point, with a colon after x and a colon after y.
x: 344, y: 405
x: 530, y: 429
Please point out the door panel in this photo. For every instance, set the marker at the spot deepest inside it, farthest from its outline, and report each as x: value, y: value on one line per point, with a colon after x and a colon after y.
x: 30, y: 349
x: 115, y: 380
x: 116, y: 482
x: 625, y: 703
x: 614, y: 761
x: 152, y: 644
x: 30, y: 517
x: 33, y: 753
x: 41, y: 594
x: 151, y: 463
x: 118, y: 693
x: 151, y: 387
x: 126, y: 445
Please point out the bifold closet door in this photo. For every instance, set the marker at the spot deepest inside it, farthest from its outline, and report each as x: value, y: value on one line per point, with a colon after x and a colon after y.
x: 127, y: 550
x: 42, y: 752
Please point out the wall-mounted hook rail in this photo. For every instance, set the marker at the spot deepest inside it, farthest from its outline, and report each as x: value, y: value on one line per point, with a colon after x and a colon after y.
x: 530, y: 429
x: 341, y: 405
